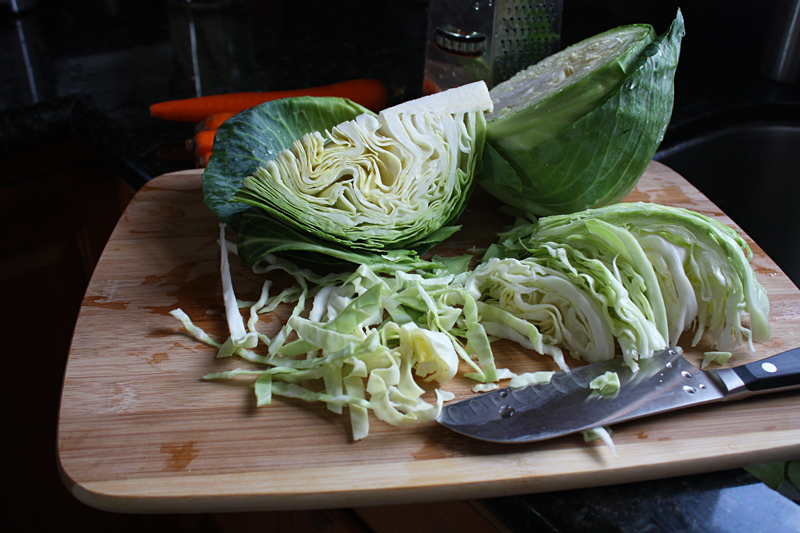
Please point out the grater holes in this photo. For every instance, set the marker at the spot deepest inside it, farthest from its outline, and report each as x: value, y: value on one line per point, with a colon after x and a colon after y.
x: 525, y: 32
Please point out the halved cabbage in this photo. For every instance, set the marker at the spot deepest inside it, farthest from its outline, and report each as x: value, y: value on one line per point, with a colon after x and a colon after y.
x: 395, y: 181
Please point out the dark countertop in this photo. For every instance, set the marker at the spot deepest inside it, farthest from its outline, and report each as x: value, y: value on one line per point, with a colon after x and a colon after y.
x: 95, y: 67
x: 91, y: 69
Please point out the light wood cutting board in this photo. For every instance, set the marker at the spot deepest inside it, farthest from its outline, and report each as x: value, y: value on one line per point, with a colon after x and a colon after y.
x: 139, y: 431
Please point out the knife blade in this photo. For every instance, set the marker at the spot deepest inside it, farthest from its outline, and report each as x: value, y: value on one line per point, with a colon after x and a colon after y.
x: 664, y: 382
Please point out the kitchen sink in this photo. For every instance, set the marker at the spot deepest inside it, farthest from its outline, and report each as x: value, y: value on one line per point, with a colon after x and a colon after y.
x: 749, y: 166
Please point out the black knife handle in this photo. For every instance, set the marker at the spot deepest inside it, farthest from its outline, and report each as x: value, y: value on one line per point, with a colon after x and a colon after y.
x: 780, y: 371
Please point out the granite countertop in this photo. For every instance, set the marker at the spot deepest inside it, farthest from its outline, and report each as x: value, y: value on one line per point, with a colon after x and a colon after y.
x: 91, y: 69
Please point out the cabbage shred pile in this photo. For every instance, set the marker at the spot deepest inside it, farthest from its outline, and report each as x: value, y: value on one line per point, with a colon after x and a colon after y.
x: 625, y: 280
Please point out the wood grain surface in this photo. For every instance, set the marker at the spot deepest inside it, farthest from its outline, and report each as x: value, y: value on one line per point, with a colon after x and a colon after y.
x: 139, y: 431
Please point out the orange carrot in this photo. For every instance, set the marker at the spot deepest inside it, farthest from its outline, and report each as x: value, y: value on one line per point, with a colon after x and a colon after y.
x: 428, y: 87
x: 369, y: 93
x: 214, y: 120
x: 201, y: 143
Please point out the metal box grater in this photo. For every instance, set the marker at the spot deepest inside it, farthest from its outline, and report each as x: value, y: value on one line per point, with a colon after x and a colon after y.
x: 490, y: 40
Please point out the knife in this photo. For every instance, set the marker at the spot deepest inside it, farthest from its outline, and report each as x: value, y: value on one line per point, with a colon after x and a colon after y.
x: 664, y: 382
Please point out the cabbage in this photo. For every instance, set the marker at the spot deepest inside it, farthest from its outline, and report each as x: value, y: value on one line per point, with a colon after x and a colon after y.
x: 577, y: 129
x: 248, y: 140
x: 376, y: 189
x: 354, y: 340
x: 695, y: 271
x: 537, y: 103
x: 719, y: 358
x: 626, y: 278
x: 652, y: 271
x: 433, y: 352
x: 606, y: 384
x: 530, y: 378
x: 629, y: 278
x: 560, y: 313
x: 602, y: 433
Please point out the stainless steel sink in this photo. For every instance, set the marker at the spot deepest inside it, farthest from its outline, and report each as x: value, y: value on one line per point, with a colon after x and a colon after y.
x: 750, y: 168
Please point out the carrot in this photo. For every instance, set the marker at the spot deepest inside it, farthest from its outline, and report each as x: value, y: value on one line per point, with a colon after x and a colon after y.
x: 201, y: 143
x: 369, y: 93
x: 428, y: 87
x: 214, y: 120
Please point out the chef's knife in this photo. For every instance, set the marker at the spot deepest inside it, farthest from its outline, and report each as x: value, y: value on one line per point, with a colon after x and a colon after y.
x: 664, y: 382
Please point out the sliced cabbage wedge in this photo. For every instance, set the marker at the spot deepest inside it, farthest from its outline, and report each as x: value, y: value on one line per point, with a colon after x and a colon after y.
x: 398, y: 180
x: 630, y: 278
x: 577, y: 130
x: 692, y: 271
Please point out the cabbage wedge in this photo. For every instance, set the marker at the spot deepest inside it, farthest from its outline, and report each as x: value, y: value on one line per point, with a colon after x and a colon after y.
x: 578, y: 129
x: 537, y: 103
x: 395, y: 181
x: 684, y: 269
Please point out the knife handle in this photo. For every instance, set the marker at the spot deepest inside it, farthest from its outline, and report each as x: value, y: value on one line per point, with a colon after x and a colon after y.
x: 781, y: 371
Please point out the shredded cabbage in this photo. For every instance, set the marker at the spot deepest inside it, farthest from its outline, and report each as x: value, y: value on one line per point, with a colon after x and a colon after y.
x: 603, y: 433
x: 530, y: 378
x: 364, y: 363
x: 715, y: 357
x: 624, y: 280
x: 606, y: 384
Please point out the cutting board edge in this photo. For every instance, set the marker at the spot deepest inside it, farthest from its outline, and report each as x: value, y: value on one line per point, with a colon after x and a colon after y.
x: 264, y: 490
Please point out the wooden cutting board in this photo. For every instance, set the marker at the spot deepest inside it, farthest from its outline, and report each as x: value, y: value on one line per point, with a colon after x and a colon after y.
x: 139, y: 431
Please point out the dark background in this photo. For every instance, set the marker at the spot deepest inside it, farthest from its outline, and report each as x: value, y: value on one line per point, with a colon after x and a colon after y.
x: 76, y: 142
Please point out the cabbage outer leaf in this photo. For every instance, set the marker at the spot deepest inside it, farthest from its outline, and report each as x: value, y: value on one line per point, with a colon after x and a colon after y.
x: 249, y: 139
